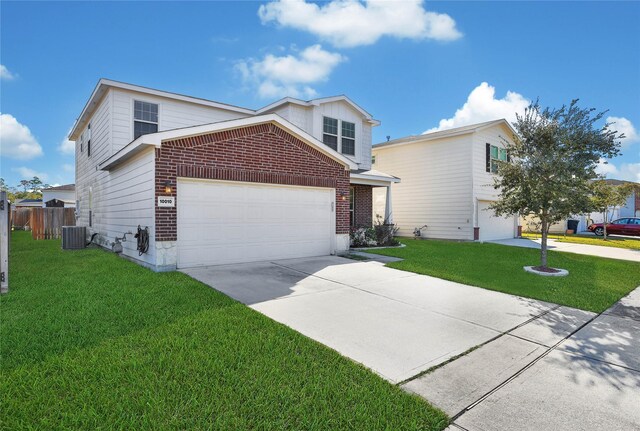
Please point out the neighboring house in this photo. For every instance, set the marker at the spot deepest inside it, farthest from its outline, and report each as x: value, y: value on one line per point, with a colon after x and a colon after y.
x: 217, y: 183
x: 27, y: 203
x: 630, y: 209
x: 60, y: 196
x: 447, y: 182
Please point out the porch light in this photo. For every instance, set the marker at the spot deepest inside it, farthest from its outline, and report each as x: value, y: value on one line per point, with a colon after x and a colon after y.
x: 343, y: 196
x: 167, y: 186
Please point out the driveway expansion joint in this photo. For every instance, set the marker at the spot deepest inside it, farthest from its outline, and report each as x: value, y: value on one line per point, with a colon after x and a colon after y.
x: 465, y: 353
x: 523, y: 369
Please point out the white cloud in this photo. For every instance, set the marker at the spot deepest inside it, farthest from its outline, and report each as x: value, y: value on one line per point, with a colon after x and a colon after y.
x: 5, y: 73
x: 626, y: 171
x: 482, y: 105
x: 66, y: 146
x: 28, y: 173
x: 606, y: 168
x: 289, y: 75
x: 630, y: 172
x: 69, y: 168
x: 349, y: 23
x: 16, y: 140
x: 622, y: 125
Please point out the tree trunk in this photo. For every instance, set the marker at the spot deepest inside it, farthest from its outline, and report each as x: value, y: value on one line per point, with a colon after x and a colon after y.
x: 604, y: 225
x: 543, y: 244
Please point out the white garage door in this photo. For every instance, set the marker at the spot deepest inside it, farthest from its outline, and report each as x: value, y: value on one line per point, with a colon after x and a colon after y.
x: 492, y: 227
x: 223, y: 222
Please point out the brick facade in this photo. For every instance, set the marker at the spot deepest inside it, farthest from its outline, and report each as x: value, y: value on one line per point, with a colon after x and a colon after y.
x: 262, y: 154
x: 363, y: 205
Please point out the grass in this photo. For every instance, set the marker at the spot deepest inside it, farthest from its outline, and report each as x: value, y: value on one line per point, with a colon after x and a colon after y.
x: 619, y: 242
x: 593, y: 283
x: 92, y: 341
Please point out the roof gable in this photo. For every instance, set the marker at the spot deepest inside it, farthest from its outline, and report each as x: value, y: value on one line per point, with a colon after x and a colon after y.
x: 317, y: 102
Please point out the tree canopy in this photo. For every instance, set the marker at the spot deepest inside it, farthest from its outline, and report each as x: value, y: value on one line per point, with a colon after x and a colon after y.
x: 552, y: 159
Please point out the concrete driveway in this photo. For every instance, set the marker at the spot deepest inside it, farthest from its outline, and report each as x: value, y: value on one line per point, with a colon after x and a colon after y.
x: 396, y: 323
x: 592, y: 250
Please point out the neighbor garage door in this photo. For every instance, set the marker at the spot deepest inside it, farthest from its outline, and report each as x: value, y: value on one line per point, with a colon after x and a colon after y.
x: 491, y: 227
x: 223, y: 222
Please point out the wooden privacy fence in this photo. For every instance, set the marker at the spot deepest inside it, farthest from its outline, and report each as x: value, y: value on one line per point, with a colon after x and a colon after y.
x: 20, y: 218
x: 46, y: 223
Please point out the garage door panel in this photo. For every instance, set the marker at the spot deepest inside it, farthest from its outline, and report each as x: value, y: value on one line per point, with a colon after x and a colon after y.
x: 225, y: 222
x: 492, y: 227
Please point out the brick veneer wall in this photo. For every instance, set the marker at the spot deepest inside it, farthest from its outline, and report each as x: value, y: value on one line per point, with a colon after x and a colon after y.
x: 263, y: 153
x: 363, y: 205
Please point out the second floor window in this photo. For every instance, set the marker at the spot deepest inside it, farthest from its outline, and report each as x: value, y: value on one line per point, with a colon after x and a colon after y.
x: 496, y: 155
x: 330, y: 132
x: 145, y: 118
x: 348, y: 138
x: 334, y: 131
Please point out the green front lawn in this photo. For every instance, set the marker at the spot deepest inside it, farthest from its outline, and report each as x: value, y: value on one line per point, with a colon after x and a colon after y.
x: 593, y: 283
x: 92, y: 341
x: 619, y: 242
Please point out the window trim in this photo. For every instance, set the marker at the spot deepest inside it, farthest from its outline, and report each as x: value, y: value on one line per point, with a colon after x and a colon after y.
x: 336, y: 135
x: 342, y: 138
x: 133, y: 116
x: 502, y: 156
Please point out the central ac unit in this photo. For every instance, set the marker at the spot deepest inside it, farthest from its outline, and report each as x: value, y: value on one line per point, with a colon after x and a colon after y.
x: 74, y: 237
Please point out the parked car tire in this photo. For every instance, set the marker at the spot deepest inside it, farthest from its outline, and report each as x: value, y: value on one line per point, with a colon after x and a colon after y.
x: 599, y: 231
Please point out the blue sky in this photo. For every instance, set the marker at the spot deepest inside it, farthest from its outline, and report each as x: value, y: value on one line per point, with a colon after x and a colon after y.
x: 415, y: 66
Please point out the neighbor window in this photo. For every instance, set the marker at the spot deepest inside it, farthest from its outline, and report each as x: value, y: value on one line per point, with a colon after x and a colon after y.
x: 88, y: 137
x: 352, y: 206
x: 348, y: 138
x: 373, y: 160
x: 145, y: 118
x: 497, y: 155
x: 330, y: 132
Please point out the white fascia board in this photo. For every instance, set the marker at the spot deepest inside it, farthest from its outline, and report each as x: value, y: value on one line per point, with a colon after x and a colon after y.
x: 125, y: 154
x: 372, y: 180
x: 156, y: 139
x: 282, y: 102
x: 502, y: 121
x: 104, y: 84
x: 420, y: 139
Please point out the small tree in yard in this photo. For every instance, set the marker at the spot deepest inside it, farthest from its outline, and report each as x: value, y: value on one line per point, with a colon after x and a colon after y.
x: 552, y: 159
x: 605, y: 196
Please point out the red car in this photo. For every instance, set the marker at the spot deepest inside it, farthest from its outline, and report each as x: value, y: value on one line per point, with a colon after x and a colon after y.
x: 622, y: 226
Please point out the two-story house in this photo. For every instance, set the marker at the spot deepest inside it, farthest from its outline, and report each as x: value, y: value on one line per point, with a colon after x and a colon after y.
x: 210, y: 183
x: 447, y: 182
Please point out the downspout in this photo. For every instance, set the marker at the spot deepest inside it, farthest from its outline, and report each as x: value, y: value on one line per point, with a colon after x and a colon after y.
x: 474, y: 199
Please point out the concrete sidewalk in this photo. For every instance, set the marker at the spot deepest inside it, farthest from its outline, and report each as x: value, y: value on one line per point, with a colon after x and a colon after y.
x: 568, y: 369
x: 592, y: 250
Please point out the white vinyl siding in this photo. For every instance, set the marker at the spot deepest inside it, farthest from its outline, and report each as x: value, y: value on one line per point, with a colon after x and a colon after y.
x: 173, y: 114
x: 121, y: 199
x: 435, y: 190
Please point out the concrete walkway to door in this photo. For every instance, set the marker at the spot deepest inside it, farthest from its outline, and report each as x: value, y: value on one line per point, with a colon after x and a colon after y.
x: 396, y: 323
